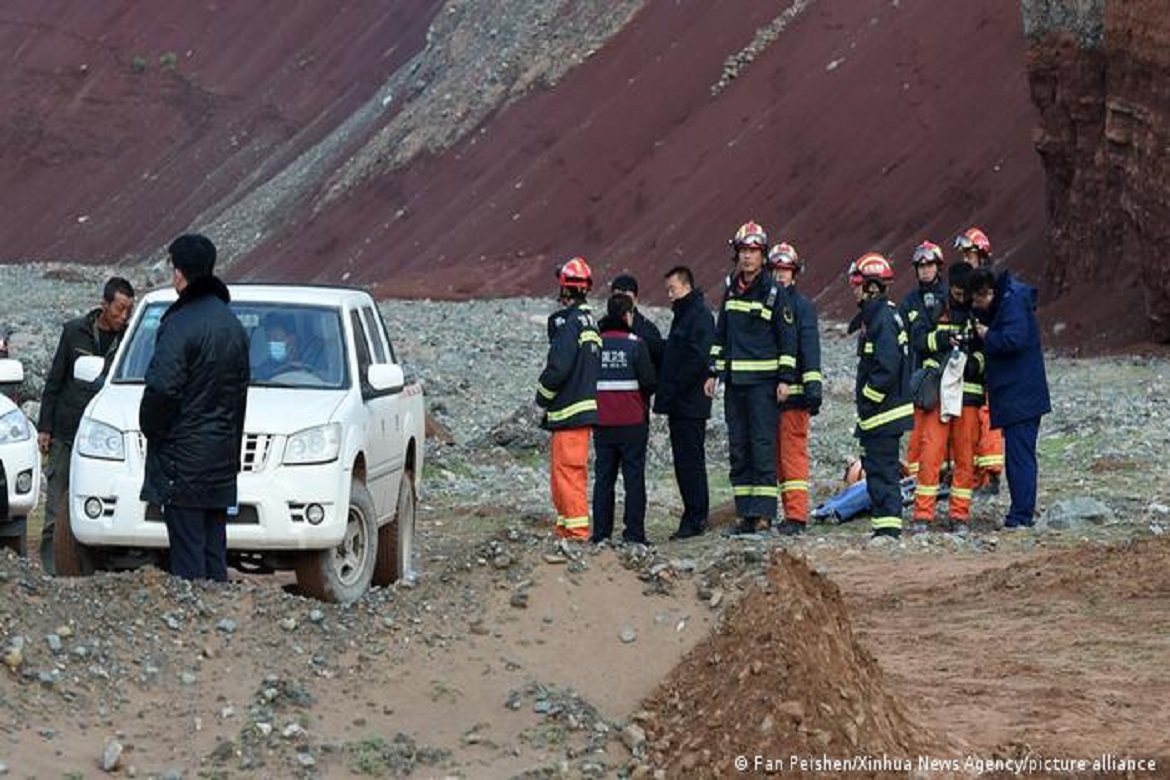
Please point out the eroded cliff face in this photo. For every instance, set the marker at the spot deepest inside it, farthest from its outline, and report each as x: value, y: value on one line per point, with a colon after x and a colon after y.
x: 1098, y: 73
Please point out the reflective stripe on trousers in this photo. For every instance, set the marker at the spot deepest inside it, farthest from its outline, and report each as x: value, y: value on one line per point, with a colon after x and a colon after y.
x: 792, y: 463
x: 569, y: 478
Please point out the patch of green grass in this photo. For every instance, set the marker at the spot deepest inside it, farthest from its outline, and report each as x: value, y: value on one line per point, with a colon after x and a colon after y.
x: 367, y: 755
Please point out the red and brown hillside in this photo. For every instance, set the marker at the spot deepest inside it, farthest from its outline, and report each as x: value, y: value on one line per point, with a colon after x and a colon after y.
x: 455, y: 150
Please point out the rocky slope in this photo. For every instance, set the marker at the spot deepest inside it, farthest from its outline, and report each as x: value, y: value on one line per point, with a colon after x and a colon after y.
x: 1097, y: 71
x: 394, y: 145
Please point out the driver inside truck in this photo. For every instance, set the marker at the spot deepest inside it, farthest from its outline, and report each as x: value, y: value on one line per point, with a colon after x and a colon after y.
x: 280, y: 353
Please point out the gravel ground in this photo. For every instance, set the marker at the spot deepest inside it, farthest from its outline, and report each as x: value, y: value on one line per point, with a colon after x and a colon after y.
x: 100, y: 648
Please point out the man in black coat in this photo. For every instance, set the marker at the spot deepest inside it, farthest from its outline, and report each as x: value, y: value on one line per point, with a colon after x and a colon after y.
x: 627, y: 285
x: 192, y: 413
x: 64, y: 398
x: 681, y: 398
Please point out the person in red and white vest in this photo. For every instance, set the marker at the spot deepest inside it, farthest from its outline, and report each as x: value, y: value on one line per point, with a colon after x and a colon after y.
x: 624, y: 386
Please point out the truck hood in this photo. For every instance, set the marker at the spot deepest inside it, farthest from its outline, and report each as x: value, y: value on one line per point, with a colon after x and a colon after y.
x: 272, y: 410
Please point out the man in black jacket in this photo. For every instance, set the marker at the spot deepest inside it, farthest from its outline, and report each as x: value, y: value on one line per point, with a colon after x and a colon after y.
x: 64, y: 398
x: 681, y: 398
x: 627, y: 285
x: 192, y: 413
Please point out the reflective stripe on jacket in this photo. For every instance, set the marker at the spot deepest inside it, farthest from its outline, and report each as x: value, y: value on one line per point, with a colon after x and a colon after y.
x: 755, y: 336
x: 567, y: 389
x: 806, y: 391
x: 960, y: 323
x: 882, y: 391
x: 625, y: 381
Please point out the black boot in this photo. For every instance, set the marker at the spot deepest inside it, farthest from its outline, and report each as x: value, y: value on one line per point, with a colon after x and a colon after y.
x: 745, y: 527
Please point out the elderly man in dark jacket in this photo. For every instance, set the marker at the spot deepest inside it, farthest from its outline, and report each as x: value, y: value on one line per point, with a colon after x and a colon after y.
x: 64, y: 398
x: 1017, y: 387
x: 681, y: 398
x: 192, y: 413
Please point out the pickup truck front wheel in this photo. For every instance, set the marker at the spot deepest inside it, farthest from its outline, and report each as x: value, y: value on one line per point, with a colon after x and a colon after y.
x: 396, y: 538
x: 343, y: 573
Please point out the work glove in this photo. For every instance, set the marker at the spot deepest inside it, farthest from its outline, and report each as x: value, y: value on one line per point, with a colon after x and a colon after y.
x: 812, y: 398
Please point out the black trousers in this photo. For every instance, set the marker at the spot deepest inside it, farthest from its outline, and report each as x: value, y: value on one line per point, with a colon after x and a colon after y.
x: 630, y: 457
x: 198, y: 539
x: 688, y: 449
x: 879, y: 458
x: 752, y: 416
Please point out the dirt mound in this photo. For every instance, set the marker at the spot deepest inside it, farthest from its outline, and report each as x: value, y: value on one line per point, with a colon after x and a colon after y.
x: 782, y: 676
x: 1136, y: 569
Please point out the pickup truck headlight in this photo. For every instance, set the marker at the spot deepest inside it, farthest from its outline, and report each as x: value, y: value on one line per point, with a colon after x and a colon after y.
x: 313, y: 445
x: 14, y: 427
x: 98, y: 440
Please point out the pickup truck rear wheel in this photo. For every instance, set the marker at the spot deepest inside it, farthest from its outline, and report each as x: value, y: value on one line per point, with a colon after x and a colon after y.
x: 343, y: 573
x: 71, y: 558
x: 396, y: 538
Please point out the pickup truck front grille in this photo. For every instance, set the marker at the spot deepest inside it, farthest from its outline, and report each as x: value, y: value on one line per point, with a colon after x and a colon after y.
x: 254, y: 451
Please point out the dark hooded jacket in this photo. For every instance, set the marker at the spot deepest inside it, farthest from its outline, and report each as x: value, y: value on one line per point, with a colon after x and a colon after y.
x: 192, y: 411
x: 1017, y: 387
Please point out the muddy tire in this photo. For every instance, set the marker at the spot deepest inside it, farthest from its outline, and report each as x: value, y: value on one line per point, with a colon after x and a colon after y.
x: 71, y: 558
x: 343, y: 573
x: 396, y: 538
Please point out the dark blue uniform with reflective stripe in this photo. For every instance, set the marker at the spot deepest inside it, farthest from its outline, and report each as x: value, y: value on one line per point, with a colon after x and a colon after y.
x: 568, y: 385
x: 884, y: 410
x: 806, y: 392
x: 754, y: 349
x: 920, y: 311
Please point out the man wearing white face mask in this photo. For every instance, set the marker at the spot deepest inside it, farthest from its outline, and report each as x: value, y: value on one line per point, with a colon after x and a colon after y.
x: 281, y: 348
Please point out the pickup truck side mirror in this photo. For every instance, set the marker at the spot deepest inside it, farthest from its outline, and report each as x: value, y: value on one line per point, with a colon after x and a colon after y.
x: 88, y: 368
x: 12, y: 371
x: 386, y: 377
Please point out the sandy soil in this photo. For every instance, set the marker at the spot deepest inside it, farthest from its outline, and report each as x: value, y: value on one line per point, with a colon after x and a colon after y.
x: 1048, y: 648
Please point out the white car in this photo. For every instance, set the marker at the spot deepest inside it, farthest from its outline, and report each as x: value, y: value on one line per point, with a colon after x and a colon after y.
x: 20, y: 460
x: 332, y: 455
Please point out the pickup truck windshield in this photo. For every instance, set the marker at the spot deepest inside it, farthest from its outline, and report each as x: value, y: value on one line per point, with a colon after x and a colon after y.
x: 289, y: 346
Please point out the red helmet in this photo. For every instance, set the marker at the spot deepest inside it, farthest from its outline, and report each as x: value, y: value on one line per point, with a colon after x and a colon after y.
x: 750, y: 234
x: 871, y: 267
x: 576, y: 274
x: 784, y: 255
x: 927, y: 252
x: 973, y: 238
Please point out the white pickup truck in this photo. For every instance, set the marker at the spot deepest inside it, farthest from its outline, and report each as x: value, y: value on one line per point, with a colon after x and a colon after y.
x: 20, y: 460
x: 332, y: 455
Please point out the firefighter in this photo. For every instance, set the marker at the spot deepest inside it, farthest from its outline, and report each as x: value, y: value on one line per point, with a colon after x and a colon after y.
x: 920, y: 311
x: 567, y: 392
x: 958, y: 436
x: 882, y: 392
x: 754, y: 357
x: 804, y: 397
x: 976, y: 250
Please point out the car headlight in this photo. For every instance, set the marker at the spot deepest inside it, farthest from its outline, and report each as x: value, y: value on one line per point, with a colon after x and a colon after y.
x: 313, y: 445
x: 98, y: 440
x: 14, y: 427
